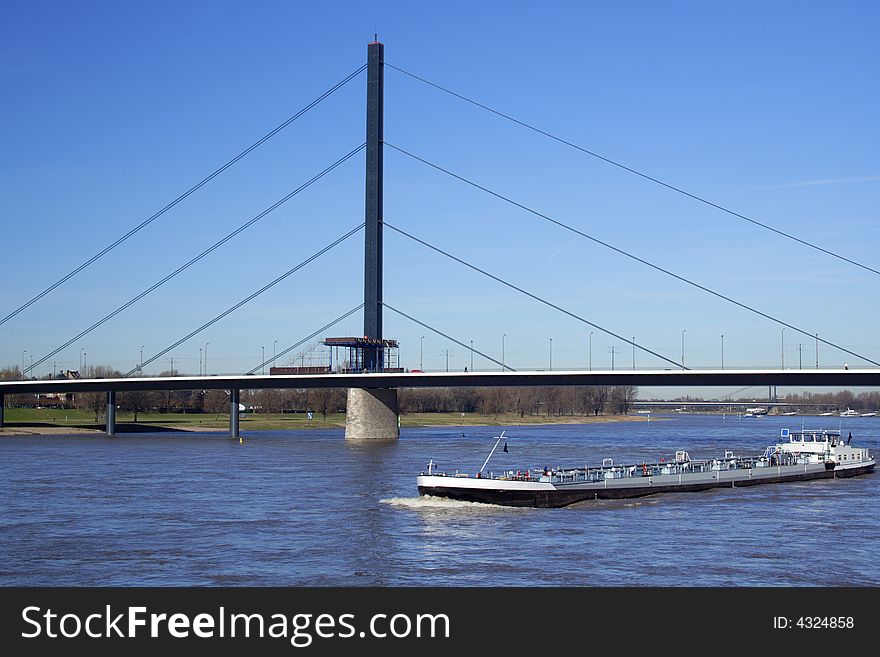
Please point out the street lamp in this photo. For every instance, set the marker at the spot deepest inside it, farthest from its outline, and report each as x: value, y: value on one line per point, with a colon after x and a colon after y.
x: 273, y: 352
x: 817, y: 351
x: 24, y: 351
x: 634, y: 352
x: 81, y: 358
x: 800, y: 348
x: 472, y: 355
x: 722, y: 351
x: 782, y: 348
x: 421, y: 353
x: 551, y: 354
x: 612, y: 357
x: 263, y: 360
x: 682, y: 346
x: 85, y: 365
x: 200, y: 361
x: 206, y: 358
x: 141, y: 366
x: 591, y: 351
x: 447, y: 360
x: 502, y: 351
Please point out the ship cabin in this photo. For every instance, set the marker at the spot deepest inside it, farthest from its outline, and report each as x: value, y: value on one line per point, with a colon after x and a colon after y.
x: 813, y: 441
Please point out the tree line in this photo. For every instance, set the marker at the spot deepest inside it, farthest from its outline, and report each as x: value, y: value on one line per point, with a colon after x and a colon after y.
x: 527, y: 401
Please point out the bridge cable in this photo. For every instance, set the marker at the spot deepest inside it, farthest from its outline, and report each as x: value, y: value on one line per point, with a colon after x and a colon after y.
x: 187, y: 193
x: 448, y: 337
x: 634, y: 171
x: 307, y: 338
x: 248, y: 298
x: 628, y: 254
x: 194, y: 260
x: 534, y: 296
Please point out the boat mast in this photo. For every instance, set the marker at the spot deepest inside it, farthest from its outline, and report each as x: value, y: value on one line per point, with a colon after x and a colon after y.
x: 492, y: 452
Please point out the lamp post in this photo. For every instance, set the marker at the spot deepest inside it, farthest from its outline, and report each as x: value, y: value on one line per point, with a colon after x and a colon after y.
x: 591, y: 351
x: 472, y: 355
x: 502, y: 351
x: 722, y: 351
x: 263, y: 360
x: 612, y: 357
x: 206, y: 358
x: 447, y: 360
x: 200, y: 361
x: 782, y: 348
x: 81, y: 358
x: 800, y: 348
x: 817, y: 351
x: 682, y: 346
x: 274, y: 342
x: 551, y: 355
x: 421, y: 352
x: 634, y: 351
x: 24, y: 351
x: 141, y: 365
x: 85, y: 363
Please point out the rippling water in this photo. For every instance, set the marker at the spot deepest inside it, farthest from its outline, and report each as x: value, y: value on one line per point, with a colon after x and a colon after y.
x: 305, y: 508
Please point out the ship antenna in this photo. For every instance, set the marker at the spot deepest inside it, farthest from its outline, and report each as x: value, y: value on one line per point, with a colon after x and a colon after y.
x: 492, y: 452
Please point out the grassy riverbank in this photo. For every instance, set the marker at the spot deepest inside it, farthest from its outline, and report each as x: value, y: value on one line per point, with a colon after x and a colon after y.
x: 19, y: 421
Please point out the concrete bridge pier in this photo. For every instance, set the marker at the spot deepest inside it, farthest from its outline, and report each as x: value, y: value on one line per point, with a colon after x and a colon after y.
x: 111, y: 413
x: 372, y: 414
x: 234, y: 396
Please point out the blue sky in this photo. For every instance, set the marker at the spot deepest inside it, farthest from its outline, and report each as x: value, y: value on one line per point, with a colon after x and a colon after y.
x: 111, y: 110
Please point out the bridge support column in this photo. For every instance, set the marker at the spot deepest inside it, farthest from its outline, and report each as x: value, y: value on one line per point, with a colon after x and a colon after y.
x: 1, y: 411
x: 234, y: 396
x: 111, y: 413
x: 372, y: 414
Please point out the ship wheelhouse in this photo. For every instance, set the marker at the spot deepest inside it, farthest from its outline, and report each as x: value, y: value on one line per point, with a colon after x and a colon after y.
x: 816, y: 442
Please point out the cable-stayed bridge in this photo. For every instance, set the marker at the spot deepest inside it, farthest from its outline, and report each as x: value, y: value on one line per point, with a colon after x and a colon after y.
x: 372, y: 403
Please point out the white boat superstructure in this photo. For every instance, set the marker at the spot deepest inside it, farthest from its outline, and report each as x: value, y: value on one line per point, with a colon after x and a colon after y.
x: 824, y: 446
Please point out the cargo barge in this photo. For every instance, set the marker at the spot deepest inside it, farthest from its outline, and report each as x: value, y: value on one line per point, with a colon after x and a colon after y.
x: 800, y: 455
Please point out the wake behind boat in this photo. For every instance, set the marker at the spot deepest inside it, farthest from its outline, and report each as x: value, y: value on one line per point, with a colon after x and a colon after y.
x: 801, y: 455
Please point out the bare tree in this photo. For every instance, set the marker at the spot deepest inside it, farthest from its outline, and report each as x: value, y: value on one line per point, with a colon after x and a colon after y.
x: 594, y: 399
x: 217, y: 401
x: 326, y: 400
x: 621, y: 397
x: 136, y: 401
x: 464, y: 400
x: 92, y: 401
x: 494, y: 401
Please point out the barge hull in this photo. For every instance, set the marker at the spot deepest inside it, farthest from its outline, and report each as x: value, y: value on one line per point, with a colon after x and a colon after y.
x: 565, y: 495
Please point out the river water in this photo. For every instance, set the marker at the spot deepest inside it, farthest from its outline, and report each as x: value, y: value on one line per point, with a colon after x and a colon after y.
x: 305, y: 508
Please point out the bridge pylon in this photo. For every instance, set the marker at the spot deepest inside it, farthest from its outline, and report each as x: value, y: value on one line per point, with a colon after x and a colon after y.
x: 373, y: 414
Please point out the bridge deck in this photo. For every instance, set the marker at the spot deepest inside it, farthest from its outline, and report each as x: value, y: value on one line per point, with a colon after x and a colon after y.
x: 642, y: 378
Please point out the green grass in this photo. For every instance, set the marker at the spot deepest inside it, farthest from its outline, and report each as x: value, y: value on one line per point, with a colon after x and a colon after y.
x: 33, y: 417
x: 61, y: 417
x: 195, y: 421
